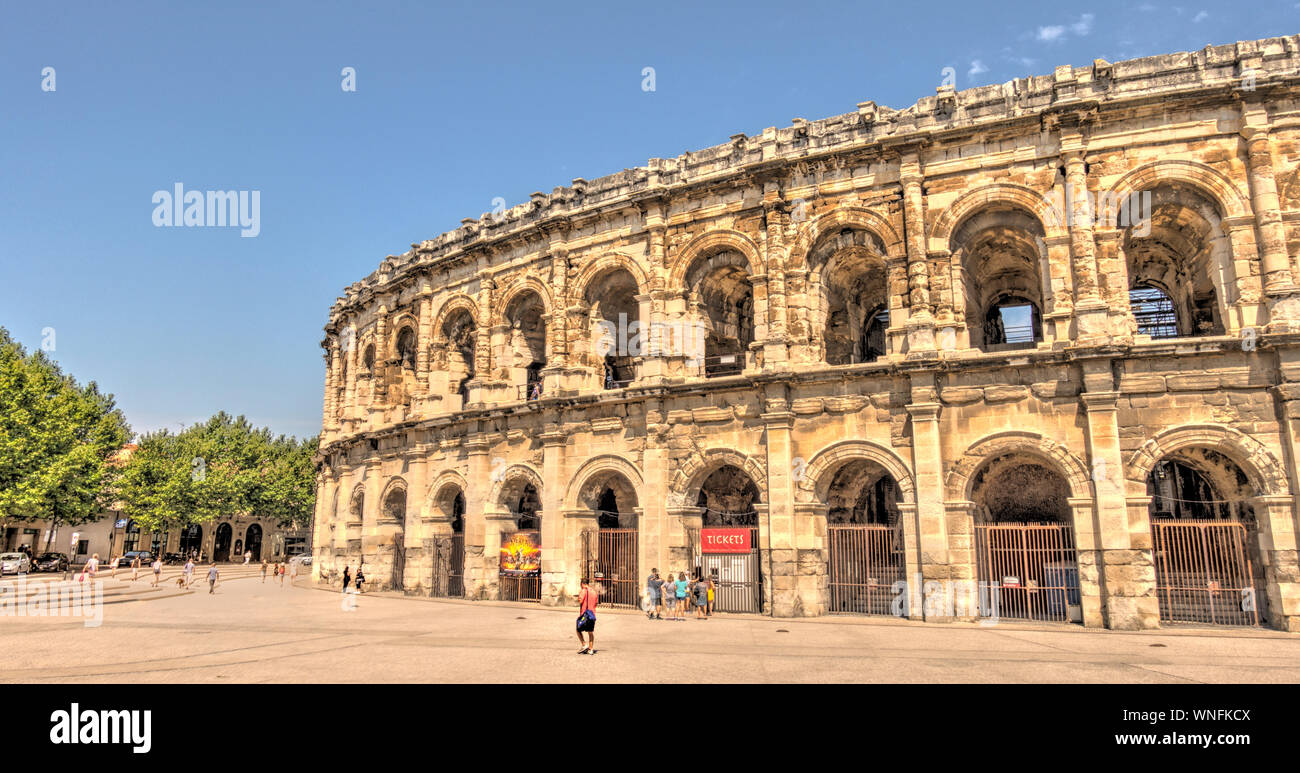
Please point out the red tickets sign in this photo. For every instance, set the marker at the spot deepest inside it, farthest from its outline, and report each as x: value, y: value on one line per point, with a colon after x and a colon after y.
x: 724, y: 540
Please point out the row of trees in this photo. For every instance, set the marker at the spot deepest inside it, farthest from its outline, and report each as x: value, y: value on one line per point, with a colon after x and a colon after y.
x: 59, y: 441
x: 62, y: 458
x: 217, y: 468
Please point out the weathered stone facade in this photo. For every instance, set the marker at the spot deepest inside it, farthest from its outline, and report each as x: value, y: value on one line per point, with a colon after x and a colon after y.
x: 864, y: 273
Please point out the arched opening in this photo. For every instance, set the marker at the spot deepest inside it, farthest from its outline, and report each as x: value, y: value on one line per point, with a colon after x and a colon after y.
x: 191, y: 543
x: 1001, y: 252
x: 400, y: 376
x: 457, y: 339
x: 615, y: 321
x: 1174, y: 244
x: 1153, y: 310
x: 449, y: 549
x: 1205, y: 540
x: 525, y: 355
x: 520, y: 576
x: 253, y: 541
x: 722, y: 300
x: 1025, y: 553
x: 727, y: 547
x: 405, y: 349
x: 393, y: 512
x: 221, y: 544
x: 356, y: 511
x: 610, y: 551
x: 852, y: 297
x: 865, y: 539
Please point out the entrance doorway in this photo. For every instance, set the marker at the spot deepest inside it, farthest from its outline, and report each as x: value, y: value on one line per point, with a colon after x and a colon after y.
x: 610, y: 551
x: 1025, y: 552
x: 221, y: 545
x: 728, y: 498
x: 1204, y: 541
x: 520, y: 575
x: 253, y: 541
x: 865, y: 540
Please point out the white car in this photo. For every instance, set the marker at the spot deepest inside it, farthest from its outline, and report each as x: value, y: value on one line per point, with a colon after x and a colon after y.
x: 15, y: 563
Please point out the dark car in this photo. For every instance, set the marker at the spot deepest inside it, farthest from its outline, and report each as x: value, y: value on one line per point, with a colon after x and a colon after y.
x: 51, y: 562
x: 125, y: 560
x: 171, y: 558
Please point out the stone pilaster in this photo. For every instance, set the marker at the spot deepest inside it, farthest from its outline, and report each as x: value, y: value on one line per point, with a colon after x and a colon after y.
x: 557, y: 554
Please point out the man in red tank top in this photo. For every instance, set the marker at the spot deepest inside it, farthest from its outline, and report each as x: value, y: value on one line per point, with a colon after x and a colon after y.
x: 587, y: 601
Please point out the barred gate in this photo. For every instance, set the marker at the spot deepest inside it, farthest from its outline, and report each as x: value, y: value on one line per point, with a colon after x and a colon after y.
x: 610, y: 558
x: 1028, y: 571
x: 865, y: 562
x: 1203, y: 573
x: 449, y: 567
x: 737, y: 577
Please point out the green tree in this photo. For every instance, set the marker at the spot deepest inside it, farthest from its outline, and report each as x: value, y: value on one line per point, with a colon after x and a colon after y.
x: 218, y: 468
x: 58, y: 441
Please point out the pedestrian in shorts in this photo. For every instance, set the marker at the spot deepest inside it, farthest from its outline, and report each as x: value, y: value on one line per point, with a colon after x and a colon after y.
x: 213, y: 575
x: 587, y: 601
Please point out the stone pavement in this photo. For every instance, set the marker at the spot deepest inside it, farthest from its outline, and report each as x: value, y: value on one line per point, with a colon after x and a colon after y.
x: 254, y: 632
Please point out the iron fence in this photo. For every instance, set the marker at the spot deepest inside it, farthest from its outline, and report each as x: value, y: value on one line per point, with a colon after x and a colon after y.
x: 1028, y: 571
x: 1203, y: 573
x: 865, y: 563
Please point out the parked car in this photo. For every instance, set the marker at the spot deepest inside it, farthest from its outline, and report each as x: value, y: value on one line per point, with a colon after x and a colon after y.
x: 126, y: 558
x: 15, y: 563
x: 51, y: 562
x: 171, y: 558
x: 303, y: 559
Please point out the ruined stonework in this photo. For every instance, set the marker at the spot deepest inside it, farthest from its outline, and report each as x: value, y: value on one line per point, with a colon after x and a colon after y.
x: 1069, y: 299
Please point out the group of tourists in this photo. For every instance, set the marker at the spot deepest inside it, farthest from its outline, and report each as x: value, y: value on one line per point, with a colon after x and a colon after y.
x: 279, y: 569
x: 678, y: 597
x: 349, y: 581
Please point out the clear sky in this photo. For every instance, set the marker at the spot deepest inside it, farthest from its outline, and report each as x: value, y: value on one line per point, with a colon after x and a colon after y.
x: 454, y: 106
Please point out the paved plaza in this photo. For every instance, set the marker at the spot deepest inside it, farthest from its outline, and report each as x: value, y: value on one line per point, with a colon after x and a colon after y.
x: 254, y: 632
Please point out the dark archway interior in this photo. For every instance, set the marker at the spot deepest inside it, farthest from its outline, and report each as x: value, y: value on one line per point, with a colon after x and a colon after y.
x: 862, y: 492
x: 615, y: 314
x: 720, y: 286
x: 1020, y: 488
x: 1200, y: 484
x: 1001, y: 252
x: 729, y: 496
x: 1172, y: 249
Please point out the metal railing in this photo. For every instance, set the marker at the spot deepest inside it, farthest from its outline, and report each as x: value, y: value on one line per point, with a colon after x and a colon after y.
x: 611, y: 560
x: 724, y: 365
x: 1029, y: 571
x: 1203, y: 573
x: 865, y: 563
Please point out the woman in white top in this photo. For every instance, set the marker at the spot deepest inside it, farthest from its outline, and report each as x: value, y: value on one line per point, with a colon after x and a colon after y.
x: 157, y: 570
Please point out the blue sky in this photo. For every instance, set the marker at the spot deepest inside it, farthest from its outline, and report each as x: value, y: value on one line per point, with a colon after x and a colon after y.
x: 455, y: 105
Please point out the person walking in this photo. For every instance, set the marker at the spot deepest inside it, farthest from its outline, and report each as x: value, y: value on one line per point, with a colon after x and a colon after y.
x: 189, y: 572
x: 347, y: 578
x: 248, y: 556
x: 157, y: 571
x: 655, y: 588
x: 283, y: 570
x: 701, y: 593
x: 360, y: 579
x: 708, y: 610
x: 213, y: 576
x: 92, y: 566
x: 679, y: 591
x: 265, y: 565
x: 587, y: 601
x: 135, y: 568
x: 293, y: 577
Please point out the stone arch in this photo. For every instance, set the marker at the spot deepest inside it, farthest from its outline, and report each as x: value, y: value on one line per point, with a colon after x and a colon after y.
x: 1254, y: 458
x: 1055, y: 455
x: 856, y: 218
x: 817, y: 475
x: 453, y: 304
x: 511, y: 476
x: 610, y: 261
x: 1206, y: 179
x: 708, y: 243
x: 518, y: 289
x: 595, y: 467
x: 358, y: 493
x: 694, y: 469
x: 985, y: 196
x: 395, y: 484
x: 445, y: 480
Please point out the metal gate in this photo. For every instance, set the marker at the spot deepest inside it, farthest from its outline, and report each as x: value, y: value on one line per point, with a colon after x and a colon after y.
x: 610, y: 559
x: 398, y: 579
x: 737, y: 577
x: 449, y: 567
x: 865, y: 562
x: 1028, y: 571
x: 1203, y: 573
